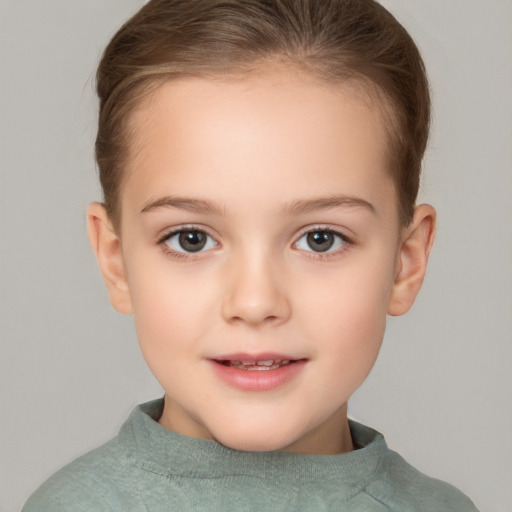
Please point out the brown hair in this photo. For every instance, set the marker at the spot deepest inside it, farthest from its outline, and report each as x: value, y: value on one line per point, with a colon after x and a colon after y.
x: 335, y: 40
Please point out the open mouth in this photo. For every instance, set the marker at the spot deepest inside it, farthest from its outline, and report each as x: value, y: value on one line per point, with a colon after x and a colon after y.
x: 259, y: 372
x: 269, y: 364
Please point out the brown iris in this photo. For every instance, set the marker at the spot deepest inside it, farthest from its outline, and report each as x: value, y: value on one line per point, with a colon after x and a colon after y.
x: 320, y: 241
x: 192, y: 241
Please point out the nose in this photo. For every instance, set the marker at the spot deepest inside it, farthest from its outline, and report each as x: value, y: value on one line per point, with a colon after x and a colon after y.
x: 256, y: 293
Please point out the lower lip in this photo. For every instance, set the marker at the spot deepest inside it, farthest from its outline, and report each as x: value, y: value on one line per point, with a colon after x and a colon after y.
x: 258, y: 380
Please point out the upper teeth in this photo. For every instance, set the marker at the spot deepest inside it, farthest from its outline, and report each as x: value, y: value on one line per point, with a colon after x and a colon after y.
x: 270, y: 364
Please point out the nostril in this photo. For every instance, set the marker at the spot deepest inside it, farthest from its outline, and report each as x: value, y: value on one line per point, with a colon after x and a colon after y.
x: 255, y: 299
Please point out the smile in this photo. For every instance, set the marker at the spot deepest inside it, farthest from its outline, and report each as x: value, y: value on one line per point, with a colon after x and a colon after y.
x: 269, y: 364
x: 263, y: 372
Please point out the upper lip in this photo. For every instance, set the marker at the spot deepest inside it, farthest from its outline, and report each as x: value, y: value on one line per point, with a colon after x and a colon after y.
x: 262, y: 356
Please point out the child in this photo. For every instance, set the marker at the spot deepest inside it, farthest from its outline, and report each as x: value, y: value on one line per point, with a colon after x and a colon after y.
x: 260, y: 164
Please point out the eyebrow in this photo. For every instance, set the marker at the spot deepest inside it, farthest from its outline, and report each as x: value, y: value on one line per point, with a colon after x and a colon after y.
x: 183, y: 203
x: 323, y: 203
x: 294, y: 208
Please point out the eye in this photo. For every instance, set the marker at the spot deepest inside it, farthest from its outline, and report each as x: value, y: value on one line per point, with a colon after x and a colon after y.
x: 189, y: 241
x: 321, y: 240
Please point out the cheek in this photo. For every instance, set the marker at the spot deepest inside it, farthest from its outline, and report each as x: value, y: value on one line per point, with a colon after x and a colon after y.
x: 353, y: 329
x: 362, y: 286
x: 173, y: 309
x: 165, y: 320
x: 161, y: 307
x: 346, y: 311
x: 349, y: 340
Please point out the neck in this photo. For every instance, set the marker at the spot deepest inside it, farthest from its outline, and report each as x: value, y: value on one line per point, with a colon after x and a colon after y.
x: 331, y: 437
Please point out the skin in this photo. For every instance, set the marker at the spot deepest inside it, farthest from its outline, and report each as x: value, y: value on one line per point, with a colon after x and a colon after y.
x: 256, y: 163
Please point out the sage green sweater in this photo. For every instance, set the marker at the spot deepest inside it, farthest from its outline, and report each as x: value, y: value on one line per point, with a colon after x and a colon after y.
x: 149, y: 468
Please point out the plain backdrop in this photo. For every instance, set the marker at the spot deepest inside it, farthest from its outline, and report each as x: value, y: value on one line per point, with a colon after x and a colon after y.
x: 70, y: 366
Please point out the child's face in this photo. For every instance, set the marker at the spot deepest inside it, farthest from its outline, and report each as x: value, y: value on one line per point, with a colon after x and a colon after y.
x: 259, y: 224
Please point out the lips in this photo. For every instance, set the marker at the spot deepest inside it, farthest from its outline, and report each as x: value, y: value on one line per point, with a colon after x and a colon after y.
x: 261, y: 372
x: 268, y: 364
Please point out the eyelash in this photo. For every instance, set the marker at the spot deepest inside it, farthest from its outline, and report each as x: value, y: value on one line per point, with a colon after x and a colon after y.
x: 340, y: 239
x: 183, y: 254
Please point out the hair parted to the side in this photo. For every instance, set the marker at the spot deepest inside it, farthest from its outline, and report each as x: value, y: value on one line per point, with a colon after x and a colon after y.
x: 334, y: 40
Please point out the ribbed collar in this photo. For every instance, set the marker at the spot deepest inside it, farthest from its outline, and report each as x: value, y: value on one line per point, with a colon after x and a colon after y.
x: 159, y: 450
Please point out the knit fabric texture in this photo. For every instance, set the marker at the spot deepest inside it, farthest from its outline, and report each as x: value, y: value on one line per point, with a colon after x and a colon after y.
x: 149, y: 468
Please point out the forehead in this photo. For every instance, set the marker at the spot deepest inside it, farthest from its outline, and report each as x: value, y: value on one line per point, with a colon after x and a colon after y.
x: 265, y: 129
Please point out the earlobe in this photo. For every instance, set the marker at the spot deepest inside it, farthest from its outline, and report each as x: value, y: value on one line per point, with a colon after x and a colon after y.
x: 107, y: 247
x: 417, y: 240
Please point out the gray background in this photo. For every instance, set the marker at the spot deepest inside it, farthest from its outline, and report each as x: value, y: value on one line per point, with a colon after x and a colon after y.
x: 70, y: 366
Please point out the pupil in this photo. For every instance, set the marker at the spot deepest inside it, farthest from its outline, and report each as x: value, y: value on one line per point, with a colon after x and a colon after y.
x: 320, y: 241
x: 192, y: 241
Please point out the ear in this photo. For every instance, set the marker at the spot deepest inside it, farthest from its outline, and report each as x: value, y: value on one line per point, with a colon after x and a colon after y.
x: 107, y: 247
x: 417, y: 240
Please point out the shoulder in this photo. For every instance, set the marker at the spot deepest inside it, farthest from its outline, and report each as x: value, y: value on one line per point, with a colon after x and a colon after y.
x: 117, y: 476
x: 393, y: 484
x: 83, y: 485
x: 404, y: 488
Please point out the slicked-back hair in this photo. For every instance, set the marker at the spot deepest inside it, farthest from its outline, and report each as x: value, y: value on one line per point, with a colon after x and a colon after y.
x: 334, y: 40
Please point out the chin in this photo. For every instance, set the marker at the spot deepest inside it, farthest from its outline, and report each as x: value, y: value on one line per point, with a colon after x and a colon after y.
x: 255, y: 439
x: 252, y: 445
